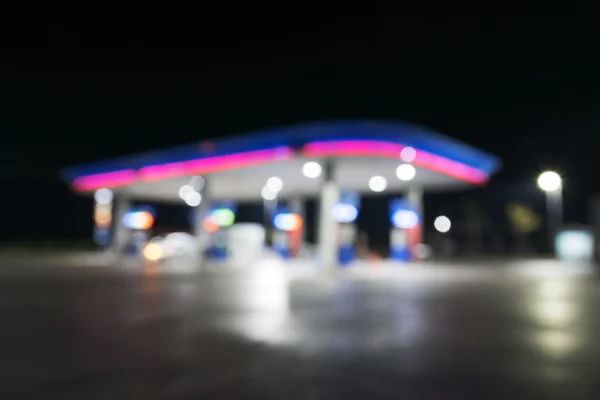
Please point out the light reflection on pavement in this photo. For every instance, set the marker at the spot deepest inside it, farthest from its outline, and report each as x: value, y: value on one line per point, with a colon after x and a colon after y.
x: 434, y: 332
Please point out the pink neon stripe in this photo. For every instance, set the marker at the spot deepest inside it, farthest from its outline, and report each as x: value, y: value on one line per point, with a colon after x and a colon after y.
x: 213, y: 164
x: 392, y: 150
x: 451, y: 168
x: 353, y: 148
x: 105, y: 180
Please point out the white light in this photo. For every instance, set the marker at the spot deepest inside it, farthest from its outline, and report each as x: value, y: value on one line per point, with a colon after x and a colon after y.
x: 268, y: 194
x: 103, y: 196
x: 406, y: 172
x: 193, y: 199
x: 377, y: 183
x: 197, y: 183
x: 405, y: 219
x: 344, y: 213
x: 185, y: 191
x: 575, y: 245
x: 549, y: 181
x: 274, y: 184
x: 442, y: 224
x: 408, y: 154
x: 312, y: 169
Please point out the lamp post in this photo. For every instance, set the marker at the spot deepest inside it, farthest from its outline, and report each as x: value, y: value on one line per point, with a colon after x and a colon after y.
x: 551, y: 183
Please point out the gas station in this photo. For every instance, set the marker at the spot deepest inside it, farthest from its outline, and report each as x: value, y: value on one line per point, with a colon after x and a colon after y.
x: 333, y: 162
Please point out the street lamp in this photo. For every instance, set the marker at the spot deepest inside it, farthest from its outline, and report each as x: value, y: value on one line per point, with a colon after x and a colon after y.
x: 551, y: 183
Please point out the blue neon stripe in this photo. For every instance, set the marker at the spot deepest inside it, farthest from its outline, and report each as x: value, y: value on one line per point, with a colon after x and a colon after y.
x: 298, y: 135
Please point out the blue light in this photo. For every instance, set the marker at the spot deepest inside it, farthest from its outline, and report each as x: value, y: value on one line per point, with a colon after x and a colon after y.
x: 344, y: 213
x: 405, y: 219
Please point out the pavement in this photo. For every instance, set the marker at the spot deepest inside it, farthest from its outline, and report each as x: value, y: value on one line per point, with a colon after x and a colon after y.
x: 447, y: 331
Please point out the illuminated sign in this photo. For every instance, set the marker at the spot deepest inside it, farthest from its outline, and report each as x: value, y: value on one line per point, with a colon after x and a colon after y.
x: 344, y: 213
x: 402, y: 215
x: 405, y: 219
x: 138, y: 220
x: 222, y: 217
x: 102, y: 215
x: 210, y: 225
x: 346, y: 210
x: 287, y: 222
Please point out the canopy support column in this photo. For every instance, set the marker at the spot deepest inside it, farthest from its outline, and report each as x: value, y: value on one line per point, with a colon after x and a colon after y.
x: 122, y: 204
x: 328, y: 243
x: 200, y: 213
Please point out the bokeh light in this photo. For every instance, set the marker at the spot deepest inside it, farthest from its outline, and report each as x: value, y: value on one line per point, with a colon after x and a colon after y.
x: 406, y: 172
x: 103, y: 196
x: 549, y: 181
x: 408, y: 154
x: 153, y: 252
x: 193, y: 199
x: 442, y: 224
x: 377, y: 183
x: 312, y: 169
x: 274, y: 184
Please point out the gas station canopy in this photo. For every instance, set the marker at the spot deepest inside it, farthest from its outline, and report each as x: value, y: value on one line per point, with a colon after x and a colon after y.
x: 239, y: 166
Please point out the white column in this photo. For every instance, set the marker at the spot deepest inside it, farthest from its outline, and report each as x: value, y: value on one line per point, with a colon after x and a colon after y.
x: 415, y: 200
x: 269, y: 209
x: 202, y: 236
x: 121, y: 233
x: 327, y: 234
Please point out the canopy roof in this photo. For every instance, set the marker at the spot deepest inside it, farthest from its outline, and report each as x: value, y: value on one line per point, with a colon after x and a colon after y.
x: 239, y: 166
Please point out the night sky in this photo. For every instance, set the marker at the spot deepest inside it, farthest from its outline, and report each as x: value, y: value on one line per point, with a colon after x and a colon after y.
x: 88, y: 84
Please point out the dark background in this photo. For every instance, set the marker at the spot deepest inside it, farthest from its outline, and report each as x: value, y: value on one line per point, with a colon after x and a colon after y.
x: 82, y: 84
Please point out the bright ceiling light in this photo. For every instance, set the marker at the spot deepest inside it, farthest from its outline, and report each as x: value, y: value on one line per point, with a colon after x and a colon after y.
x: 408, y: 154
x: 185, y: 191
x: 406, y: 172
x: 312, y: 169
x: 377, y: 183
x: 193, y: 199
x: 549, y: 181
x: 442, y: 224
x: 197, y: 183
x: 268, y: 194
x: 274, y: 184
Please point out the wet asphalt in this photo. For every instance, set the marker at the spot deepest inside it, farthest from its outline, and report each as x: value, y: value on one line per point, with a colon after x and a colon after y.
x: 499, y: 331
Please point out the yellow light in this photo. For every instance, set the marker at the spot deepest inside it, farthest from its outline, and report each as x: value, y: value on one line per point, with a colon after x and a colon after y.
x: 103, y: 215
x: 103, y: 219
x: 153, y: 252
